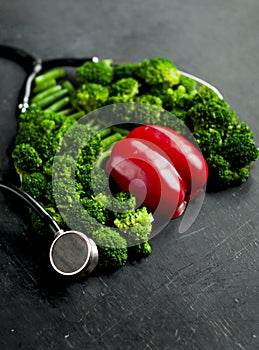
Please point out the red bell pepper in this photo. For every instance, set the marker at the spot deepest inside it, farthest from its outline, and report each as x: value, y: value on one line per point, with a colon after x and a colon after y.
x: 184, y: 155
x: 137, y: 166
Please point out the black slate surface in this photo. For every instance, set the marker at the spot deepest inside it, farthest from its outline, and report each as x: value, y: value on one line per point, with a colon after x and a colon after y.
x: 198, y: 289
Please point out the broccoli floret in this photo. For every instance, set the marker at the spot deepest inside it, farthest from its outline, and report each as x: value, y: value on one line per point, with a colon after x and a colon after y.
x: 66, y: 192
x: 123, y: 202
x: 150, y: 99
x: 125, y: 88
x: 34, y: 184
x: 239, y: 128
x: 214, y: 113
x: 189, y: 84
x: 96, y: 209
x: 112, y: 248
x: 221, y: 176
x: 139, y: 251
x: 158, y: 71
x: 90, y: 96
x: 205, y: 94
x: 178, y: 101
x: 162, y: 91
x: 95, y: 72
x: 42, y: 130
x: 239, y: 150
x: 209, y: 141
x: 26, y: 159
x: 127, y: 70
x: 135, y: 225
x: 64, y: 166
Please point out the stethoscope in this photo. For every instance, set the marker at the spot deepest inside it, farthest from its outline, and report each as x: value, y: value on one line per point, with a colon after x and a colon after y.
x: 71, y: 252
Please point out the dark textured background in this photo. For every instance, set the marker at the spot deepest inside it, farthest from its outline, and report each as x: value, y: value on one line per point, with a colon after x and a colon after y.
x: 198, y: 290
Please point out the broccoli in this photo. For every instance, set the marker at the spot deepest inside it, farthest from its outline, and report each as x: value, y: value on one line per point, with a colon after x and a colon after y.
x: 95, y: 72
x: 135, y: 225
x: 221, y: 176
x: 90, y: 96
x: 139, y: 251
x: 43, y: 131
x: 227, y: 145
x: 162, y: 91
x: 158, y: 71
x: 209, y: 141
x: 178, y: 101
x: 96, y: 209
x: 127, y: 70
x: 34, y: 184
x: 125, y: 88
x: 189, y: 84
x: 149, y: 99
x: 212, y: 113
x: 239, y: 150
x: 112, y: 248
x: 26, y: 159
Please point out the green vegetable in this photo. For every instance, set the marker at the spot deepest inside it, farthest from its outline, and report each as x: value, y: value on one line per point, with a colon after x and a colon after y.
x: 35, y: 184
x: 127, y: 70
x: 126, y: 88
x: 90, y: 96
x: 26, y: 159
x: 158, y: 71
x: 221, y: 174
x: 52, y: 74
x: 227, y: 144
x: 67, y: 174
x: 95, y: 72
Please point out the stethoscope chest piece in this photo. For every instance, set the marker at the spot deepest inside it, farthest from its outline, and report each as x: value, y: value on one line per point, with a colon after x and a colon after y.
x: 73, y: 253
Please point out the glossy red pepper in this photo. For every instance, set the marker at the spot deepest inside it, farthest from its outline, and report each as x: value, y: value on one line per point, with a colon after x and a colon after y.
x: 184, y: 155
x: 138, y: 167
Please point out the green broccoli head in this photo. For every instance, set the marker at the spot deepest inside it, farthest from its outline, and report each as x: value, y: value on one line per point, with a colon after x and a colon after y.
x: 90, y: 96
x: 127, y: 70
x: 139, y: 251
x: 213, y: 113
x: 66, y: 192
x: 34, y: 184
x: 43, y: 131
x: 96, y: 209
x: 221, y: 176
x: 162, y: 91
x: 178, y: 101
x: 125, y: 88
x: 209, y: 141
x: 189, y: 84
x: 135, y: 225
x: 158, y: 71
x: 95, y: 72
x: 149, y: 99
x: 239, y: 150
x: 26, y: 159
x: 112, y: 248
x: 205, y: 94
